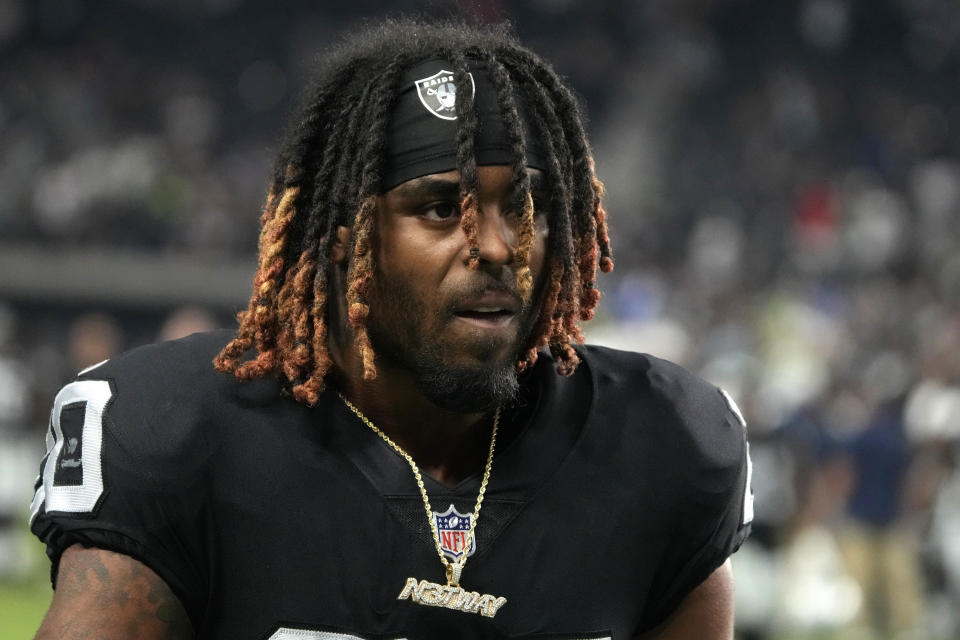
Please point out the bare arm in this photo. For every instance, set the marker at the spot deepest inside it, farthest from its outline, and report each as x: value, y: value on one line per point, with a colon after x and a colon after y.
x: 705, y: 614
x: 102, y: 595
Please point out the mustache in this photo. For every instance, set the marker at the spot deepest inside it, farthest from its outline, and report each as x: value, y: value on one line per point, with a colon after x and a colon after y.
x: 477, y: 288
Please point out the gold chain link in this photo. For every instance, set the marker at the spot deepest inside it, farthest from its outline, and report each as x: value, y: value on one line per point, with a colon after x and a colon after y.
x: 452, y: 570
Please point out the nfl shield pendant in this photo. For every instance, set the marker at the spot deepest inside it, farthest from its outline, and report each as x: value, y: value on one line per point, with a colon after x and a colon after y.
x: 453, y: 530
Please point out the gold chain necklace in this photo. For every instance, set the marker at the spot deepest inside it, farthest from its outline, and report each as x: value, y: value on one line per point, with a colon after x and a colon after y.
x: 432, y: 594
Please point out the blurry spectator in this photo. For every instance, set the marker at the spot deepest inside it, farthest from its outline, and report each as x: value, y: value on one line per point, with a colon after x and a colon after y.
x: 184, y: 321
x: 880, y: 549
x: 93, y: 338
x: 16, y: 447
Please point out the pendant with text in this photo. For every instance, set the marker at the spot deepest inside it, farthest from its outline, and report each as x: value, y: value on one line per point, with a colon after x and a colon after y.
x: 431, y: 594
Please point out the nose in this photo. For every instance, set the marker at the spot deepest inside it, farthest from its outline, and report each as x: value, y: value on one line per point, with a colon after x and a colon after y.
x: 496, y: 234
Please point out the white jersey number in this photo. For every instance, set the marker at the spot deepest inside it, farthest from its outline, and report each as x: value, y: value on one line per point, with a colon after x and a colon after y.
x: 71, y: 477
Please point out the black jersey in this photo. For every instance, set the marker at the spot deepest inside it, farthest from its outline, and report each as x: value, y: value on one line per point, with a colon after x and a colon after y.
x: 614, y: 492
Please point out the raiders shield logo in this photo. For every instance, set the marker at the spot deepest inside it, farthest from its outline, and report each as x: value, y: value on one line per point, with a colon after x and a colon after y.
x: 438, y: 94
x: 453, y: 528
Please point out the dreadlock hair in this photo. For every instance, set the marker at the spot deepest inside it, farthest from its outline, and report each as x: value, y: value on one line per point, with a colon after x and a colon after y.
x: 328, y: 173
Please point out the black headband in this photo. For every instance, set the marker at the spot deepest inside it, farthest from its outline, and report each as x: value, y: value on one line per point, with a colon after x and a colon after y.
x: 421, y: 137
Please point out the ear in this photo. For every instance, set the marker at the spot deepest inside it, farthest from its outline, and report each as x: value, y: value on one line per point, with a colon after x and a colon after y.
x: 341, y: 245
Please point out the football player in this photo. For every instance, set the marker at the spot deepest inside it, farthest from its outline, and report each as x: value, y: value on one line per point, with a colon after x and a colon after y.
x: 405, y: 437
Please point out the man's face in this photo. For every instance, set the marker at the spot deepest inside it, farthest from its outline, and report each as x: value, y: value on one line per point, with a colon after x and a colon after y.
x: 458, y: 330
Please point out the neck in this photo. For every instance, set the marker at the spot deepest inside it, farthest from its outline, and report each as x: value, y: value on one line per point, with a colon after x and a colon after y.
x: 447, y: 445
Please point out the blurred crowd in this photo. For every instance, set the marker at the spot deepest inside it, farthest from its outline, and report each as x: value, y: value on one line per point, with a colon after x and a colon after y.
x: 783, y: 181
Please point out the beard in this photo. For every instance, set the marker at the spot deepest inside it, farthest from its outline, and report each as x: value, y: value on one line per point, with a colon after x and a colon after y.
x: 465, y: 389
x: 404, y: 331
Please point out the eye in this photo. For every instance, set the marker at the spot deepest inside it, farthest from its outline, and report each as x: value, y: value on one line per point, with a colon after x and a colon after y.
x: 441, y: 211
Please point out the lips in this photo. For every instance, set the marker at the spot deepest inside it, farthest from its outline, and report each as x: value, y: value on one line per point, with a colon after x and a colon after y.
x: 491, y: 309
x: 490, y: 302
x: 492, y: 315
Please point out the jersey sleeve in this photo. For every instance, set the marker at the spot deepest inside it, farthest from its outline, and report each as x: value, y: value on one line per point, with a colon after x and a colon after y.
x: 708, y: 487
x: 124, y: 468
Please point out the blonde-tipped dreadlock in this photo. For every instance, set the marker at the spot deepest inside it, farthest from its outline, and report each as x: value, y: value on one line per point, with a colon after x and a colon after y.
x: 328, y: 174
x: 360, y: 277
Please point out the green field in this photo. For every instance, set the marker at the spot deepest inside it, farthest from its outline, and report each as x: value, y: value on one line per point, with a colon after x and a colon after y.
x: 22, y: 605
x: 24, y: 599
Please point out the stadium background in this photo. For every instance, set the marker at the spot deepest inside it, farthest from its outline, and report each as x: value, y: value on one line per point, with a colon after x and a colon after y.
x: 784, y: 186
